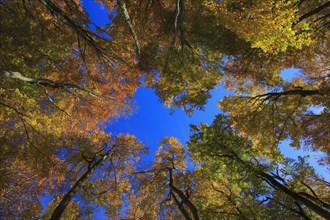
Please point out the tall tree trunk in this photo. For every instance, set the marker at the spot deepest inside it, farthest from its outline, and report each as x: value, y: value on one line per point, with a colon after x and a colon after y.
x: 123, y: 8
x: 58, y: 211
x: 278, y: 186
x: 308, y: 203
x: 184, y: 199
x: 181, y: 207
x: 315, y: 11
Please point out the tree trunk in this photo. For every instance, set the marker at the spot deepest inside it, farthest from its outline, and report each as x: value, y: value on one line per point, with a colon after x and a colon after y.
x: 315, y: 11
x: 308, y: 203
x: 278, y: 186
x: 183, y: 198
x: 181, y: 207
x: 123, y: 8
x: 58, y: 211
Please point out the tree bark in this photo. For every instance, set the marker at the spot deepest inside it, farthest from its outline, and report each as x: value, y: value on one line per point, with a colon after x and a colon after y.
x: 181, y: 207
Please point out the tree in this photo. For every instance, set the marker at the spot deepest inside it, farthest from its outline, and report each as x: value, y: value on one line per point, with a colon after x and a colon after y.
x: 60, y: 81
x: 64, y: 70
x: 277, y: 25
x: 104, y: 176
x: 296, y: 110
x: 265, y: 106
x: 226, y: 155
x: 76, y: 66
x: 180, y: 69
x: 167, y: 183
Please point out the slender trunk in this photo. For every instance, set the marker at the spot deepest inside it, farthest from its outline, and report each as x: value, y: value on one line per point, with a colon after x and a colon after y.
x: 315, y: 11
x: 123, y: 8
x: 277, y: 185
x: 183, y: 198
x: 181, y: 207
x: 308, y: 203
x: 58, y: 211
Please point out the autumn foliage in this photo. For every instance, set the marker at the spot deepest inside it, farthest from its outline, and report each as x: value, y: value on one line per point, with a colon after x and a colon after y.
x: 63, y: 79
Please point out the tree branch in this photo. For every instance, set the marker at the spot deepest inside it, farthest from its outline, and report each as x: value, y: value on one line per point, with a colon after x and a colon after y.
x: 324, y: 204
x: 273, y: 96
x: 46, y: 83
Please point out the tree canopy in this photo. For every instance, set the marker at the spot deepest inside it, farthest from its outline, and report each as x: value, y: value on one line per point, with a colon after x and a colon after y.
x: 63, y: 79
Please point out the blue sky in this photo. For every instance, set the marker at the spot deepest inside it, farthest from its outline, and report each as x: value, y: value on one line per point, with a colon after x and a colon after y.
x: 152, y: 121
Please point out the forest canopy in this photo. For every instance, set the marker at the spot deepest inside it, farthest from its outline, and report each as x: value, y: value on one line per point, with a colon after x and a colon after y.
x: 64, y: 78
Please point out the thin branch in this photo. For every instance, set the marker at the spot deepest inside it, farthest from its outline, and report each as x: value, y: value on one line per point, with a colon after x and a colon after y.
x: 56, y: 106
x: 229, y: 197
x: 273, y: 96
x: 177, y: 15
x: 150, y: 171
x: 100, y: 193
